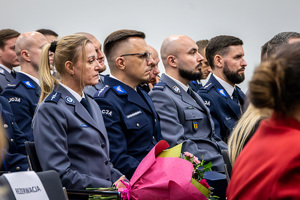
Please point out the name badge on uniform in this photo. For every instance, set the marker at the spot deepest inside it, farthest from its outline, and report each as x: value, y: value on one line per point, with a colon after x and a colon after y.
x: 195, y: 125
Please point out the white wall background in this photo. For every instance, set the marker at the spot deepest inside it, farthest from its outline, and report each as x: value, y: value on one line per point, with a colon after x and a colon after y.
x: 254, y: 21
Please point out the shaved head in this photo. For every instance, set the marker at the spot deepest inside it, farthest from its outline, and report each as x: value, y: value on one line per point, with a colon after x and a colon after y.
x: 172, y: 45
x: 26, y: 40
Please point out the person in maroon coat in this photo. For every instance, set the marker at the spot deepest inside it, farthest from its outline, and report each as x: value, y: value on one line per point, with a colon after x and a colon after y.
x: 269, y: 165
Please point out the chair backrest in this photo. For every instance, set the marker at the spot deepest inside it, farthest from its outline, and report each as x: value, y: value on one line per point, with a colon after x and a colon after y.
x: 227, y: 166
x: 34, y: 165
x: 50, y: 181
x: 33, y: 160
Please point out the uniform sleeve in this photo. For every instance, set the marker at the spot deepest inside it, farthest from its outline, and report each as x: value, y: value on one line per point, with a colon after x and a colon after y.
x: 124, y: 162
x: 21, y: 109
x: 50, y: 132
x: 212, y: 108
x: 171, y: 128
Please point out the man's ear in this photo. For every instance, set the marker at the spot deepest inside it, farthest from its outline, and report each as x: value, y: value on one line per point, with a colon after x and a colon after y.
x: 172, y: 60
x: 218, y: 61
x: 120, y: 62
x: 69, y: 67
x: 25, y: 54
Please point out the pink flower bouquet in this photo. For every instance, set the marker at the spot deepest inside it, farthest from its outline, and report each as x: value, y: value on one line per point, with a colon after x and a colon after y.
x: 164, y: 175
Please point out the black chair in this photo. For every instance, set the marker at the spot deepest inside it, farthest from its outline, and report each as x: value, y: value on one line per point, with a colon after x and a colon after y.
x: 227, y: 165
x: 33, y: 160
x: 34, y: 165
x: 50, y: 181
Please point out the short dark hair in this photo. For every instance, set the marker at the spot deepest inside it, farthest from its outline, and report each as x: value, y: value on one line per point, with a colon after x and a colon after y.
x: 279, y: 40
x: 117, y: 37
x: 6, y: 34
x: 202, y: 44
x: 47, y: 32
x: 263, y: 52
x: 220, y: 45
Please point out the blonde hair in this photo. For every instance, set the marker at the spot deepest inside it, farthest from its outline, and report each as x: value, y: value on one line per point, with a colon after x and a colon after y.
x: 67, y: 49
x: 245, y: 129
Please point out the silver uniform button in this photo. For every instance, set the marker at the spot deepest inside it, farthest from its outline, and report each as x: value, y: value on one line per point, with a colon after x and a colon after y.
x: 137, y: 124
x: 12, y: 140
x: 18, y: 168
x: 5, y: 126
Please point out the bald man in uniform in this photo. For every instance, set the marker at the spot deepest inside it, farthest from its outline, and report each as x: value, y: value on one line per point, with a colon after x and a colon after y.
x: 183, y: 114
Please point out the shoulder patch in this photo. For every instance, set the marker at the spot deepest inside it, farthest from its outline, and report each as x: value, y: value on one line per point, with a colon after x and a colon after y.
x: 53, y: 97
x: 102, y: 91
x: 159, y: 86
x: 69, y: 100
x: 1, y: 71
x: 119, y: 90
x: 28, y: 84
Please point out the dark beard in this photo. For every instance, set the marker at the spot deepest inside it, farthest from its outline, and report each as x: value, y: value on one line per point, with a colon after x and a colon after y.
x: 189, y: 75
x: 233, y: 76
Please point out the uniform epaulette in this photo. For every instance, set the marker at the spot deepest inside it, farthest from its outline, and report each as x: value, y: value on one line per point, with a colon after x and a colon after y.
x: 101, y: 93
x: 12, y: 84
x: 207, y: 87
x: 159, y: 86
x: 53, y: 97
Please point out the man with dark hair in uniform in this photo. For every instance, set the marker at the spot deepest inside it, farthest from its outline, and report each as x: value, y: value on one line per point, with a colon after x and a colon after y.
x: 129, y: 115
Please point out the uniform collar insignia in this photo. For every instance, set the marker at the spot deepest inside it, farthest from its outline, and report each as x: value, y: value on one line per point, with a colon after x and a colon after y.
x: 1, y: 71
x: 28, y: 84
x: 222, y: 92
x: 119, y: 89
x: 69, y: 100
x: 176, y: 89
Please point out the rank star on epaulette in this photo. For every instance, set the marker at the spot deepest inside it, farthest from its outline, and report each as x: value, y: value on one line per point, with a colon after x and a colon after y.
x: 176, y: 89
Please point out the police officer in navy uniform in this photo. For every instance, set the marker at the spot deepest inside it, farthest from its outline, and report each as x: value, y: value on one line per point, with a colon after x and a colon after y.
x: 68, y: 127
x: 8, y: 57
x: 129, y: 115
x: 184, y: 118
x: 23, y: 93
x: 225, y: 100
x: 14, y: 157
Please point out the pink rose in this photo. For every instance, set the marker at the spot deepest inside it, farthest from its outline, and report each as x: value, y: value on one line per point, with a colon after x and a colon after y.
x: 204, y: 183
x: 188, y: 154
x: 196, y: 160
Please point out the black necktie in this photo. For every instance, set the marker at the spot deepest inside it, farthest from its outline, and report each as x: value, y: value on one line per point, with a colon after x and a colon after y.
x: 235, y: 96
x: 86, y: 105
x: 13, y: 73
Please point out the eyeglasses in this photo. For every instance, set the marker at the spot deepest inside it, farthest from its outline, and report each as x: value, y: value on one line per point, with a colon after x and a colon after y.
x: 141, y: 55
